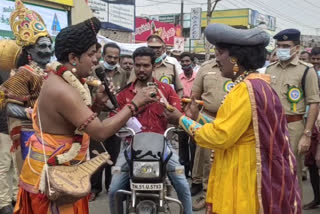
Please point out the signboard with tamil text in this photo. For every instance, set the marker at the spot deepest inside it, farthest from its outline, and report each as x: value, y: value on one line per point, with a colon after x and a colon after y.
x: 118, y: 12
x: 122, y: 15
x: 99, y: 9
x: 195, y: 26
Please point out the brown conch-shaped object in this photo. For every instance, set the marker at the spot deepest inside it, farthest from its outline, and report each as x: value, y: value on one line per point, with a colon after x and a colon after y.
x: 9, y: 54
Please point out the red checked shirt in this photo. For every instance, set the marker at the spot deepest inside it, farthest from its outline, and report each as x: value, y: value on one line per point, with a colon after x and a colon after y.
x: 151, y: 116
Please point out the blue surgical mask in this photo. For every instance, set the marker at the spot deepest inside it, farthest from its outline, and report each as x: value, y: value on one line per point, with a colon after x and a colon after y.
x: 160, y: 58
x: 266, y: 63
x: 283, y: 54
x: 108, y: 66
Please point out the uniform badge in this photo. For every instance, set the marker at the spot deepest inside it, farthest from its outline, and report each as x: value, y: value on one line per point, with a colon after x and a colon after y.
x: 285, y: 37
x: 228, y: 85
x: 165, y: 79
x: 294, y: 96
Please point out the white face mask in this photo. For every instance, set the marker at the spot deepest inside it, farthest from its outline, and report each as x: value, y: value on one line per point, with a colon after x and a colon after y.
x: 284, y: 54
x: 108, y: 66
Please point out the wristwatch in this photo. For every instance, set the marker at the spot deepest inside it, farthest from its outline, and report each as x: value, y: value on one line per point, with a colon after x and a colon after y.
x: 307, y: 133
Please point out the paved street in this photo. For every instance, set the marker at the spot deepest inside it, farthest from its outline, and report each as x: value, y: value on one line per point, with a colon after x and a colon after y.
x: 100, y: 206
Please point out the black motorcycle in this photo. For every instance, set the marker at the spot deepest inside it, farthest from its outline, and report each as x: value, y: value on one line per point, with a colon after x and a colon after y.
x: 147, y: 156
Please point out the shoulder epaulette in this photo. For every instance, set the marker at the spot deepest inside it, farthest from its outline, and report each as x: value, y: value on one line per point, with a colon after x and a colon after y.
x: 305, y: 63
x: 169, y: 63
x: 273, y: 63
x: 211, y: 61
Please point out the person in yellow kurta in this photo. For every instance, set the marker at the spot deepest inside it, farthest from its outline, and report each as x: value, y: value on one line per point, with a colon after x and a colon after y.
x: 254, y: 170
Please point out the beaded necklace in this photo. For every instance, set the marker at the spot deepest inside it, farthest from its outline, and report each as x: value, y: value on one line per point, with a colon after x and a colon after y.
x: 36, y: 69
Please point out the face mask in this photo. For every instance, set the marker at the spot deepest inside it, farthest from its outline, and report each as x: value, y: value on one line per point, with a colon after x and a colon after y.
x: 109, y: 67
x: 266, y: 63
x: 160, y: 58
x: 187, y: 67
x: 284, y: 54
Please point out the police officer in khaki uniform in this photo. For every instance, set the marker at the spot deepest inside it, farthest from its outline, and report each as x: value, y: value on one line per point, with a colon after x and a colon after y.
x: 296, y: 83
x: 210, y: 87
x: 111, y: 57
x: 165, y: 71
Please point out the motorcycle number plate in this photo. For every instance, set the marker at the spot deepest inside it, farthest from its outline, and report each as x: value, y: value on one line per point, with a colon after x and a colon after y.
x: 146, y: 187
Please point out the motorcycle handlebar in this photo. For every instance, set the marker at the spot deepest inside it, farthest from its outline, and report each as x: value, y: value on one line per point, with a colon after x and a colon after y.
x: 131, y: 132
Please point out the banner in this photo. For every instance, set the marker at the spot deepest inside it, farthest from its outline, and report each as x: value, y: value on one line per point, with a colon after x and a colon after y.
x: 195, y: 26
x: 54, y: 19
x: 126, y: 48
x: 257, y: 18
x: 146, y: 27
x: 64, y: 2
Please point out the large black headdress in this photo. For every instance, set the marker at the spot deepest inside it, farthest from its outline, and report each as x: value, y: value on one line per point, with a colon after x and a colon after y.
x: 76, y: 39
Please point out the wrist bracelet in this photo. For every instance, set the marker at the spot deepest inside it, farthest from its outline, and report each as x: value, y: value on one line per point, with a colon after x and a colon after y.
x: 132, y: 109
x: 135, y: 106
x: 86, y: 123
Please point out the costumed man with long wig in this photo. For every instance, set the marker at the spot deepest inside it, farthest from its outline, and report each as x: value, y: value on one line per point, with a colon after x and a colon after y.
x: 55, y: 177
x: 22, y: 89
x: 254, y: 169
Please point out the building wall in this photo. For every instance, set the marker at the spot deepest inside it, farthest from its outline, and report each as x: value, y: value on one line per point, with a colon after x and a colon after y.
x: 308, y: 41
x: 80, y: 12
x: 118, y: 36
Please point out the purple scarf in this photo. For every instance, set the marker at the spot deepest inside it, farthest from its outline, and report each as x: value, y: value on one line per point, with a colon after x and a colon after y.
x: 277, y: 182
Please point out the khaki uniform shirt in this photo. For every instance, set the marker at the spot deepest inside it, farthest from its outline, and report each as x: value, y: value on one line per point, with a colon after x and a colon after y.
x: 127, y: 73
x: 211, y: 85
x: 285, y: 78
x: 166, y: 73
x: 119, y: 79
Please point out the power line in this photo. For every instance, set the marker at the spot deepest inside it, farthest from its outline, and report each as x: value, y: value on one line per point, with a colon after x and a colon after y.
x: 263, y: 7
x: 171, y: 2
x: 278, y: 13
x: 310, y: 3
x: 303, y: 7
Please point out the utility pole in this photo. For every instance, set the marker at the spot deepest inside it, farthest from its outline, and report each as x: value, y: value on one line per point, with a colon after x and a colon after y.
x: 181, y: 15
x: 210, y: 10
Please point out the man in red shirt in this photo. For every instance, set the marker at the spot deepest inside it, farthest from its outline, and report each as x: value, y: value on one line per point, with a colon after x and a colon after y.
x: 151, y: 119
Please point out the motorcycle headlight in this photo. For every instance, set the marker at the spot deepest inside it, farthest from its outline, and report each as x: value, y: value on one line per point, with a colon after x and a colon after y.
x: 146, y: 169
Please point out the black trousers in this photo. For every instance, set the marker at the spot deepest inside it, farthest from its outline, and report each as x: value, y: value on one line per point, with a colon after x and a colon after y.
x: 187, y: 149
x: 112, y: 145
x: 315, y: 181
